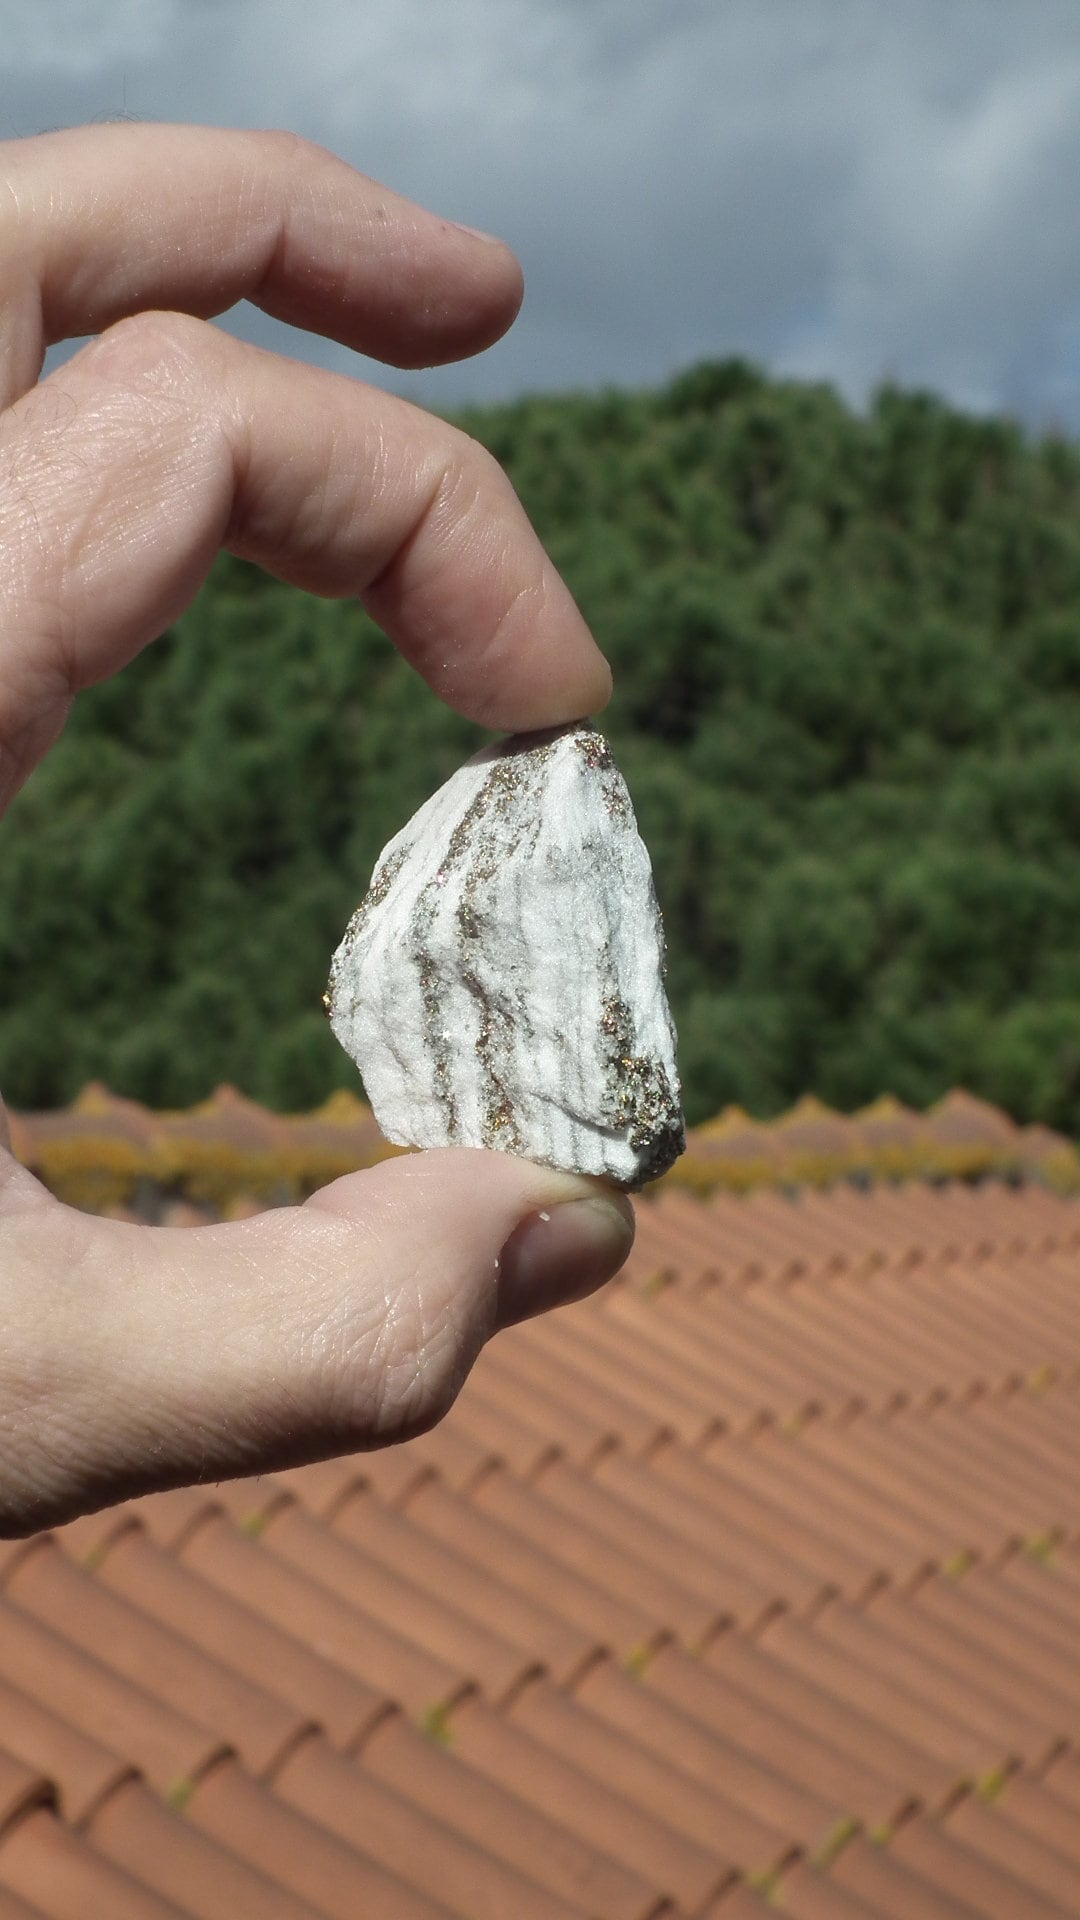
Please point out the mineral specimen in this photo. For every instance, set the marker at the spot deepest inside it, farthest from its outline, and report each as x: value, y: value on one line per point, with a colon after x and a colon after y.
x: 502, y: 983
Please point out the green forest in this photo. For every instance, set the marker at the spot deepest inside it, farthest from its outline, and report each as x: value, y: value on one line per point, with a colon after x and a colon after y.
x: 847, y: 660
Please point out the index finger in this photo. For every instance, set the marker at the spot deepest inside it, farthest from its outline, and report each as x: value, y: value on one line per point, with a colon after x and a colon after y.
x: 123, y: 473
x: 99, y: 222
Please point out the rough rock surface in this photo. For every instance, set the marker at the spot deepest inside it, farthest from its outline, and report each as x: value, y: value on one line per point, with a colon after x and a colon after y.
x: 502, y: 983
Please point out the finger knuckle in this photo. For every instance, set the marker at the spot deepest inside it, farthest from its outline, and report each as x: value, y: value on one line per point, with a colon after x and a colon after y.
x: 394, y: 1368
x: 420, y: 1363
x: 470, y: 488
x: 153, y: 347
x: 284, y: 143
x: 280, y: 148
x: 472, y: 466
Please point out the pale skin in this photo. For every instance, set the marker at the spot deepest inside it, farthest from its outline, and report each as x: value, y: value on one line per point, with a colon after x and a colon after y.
x: 137, y: 1358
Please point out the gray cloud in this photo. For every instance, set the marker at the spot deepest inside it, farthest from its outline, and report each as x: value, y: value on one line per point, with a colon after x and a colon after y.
x: 840, y: 189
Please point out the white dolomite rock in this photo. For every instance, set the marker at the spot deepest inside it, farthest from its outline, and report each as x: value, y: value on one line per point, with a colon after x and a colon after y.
x: 502, y: 983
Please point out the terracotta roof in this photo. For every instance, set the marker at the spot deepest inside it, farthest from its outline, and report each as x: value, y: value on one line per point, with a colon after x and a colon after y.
x: 228, y: 1155
x: 749, y: 1586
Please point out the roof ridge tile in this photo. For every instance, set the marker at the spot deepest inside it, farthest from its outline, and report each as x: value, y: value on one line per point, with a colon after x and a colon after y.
x: 163, y: 1743
x: 260, y: 1649
x: 437, y: 1779
x: 835, y: 1698
x: 139, y: 1648
x: 1002, y: 1843
x: 961, y: 1868
x: 565, y: 1725
x: 14, y: 1908
x: 856, y: 1787
x: 351, y: 1638
x: 340, y: 1878
x: 42, y: 1859
x: 340, y: 1564
x: 767, y: 1790
x: 146, y: 1838
x: 84, y: 1772
x: 604, y: 1612
x: 877, y: 1873
x: 405, y: 1551
x: 22, y: 1787
x: 589, y: 1806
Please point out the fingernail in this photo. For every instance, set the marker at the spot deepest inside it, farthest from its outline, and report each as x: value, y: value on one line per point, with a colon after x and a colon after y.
x: 477, y: 233
x: 563, y: 1253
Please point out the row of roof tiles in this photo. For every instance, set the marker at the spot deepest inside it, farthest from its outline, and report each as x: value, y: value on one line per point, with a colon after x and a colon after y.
x: 750, y: 1585
x: 106, y: 1152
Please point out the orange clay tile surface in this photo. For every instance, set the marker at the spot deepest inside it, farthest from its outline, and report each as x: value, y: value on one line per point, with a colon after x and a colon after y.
x: 749, y: 1587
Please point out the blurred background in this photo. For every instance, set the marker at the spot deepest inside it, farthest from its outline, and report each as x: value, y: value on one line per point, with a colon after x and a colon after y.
x: 840, y: 190
x: 793, y: 401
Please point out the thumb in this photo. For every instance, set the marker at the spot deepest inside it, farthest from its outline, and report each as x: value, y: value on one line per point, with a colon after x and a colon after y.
x: 139, y: 1358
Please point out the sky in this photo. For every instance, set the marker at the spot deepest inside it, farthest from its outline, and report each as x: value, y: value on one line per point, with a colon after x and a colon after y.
x: 848, y: 190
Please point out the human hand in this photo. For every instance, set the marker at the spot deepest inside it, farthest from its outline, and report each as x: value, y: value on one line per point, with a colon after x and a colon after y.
x: 137, y: 1358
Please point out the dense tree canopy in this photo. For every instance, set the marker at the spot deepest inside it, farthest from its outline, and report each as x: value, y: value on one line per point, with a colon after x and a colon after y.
x: 847, y: 655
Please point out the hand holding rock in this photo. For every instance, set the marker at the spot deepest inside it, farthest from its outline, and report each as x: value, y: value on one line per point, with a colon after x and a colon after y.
x: 137, y: 1358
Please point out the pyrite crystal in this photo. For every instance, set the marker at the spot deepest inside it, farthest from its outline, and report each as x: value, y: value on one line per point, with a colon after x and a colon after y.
x: 502, y: 984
